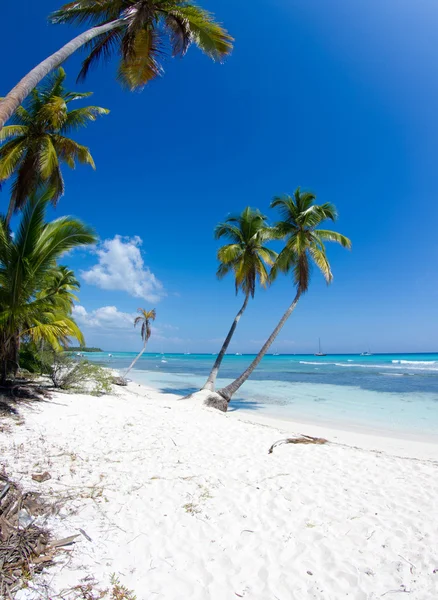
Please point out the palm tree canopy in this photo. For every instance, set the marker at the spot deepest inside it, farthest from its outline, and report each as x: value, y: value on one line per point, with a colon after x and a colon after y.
x: 145, y: 318
x: 33, y: 148
x: 145, y: 29
x: 246, y: 255
x: 304, y: 240
x: 36, y: 294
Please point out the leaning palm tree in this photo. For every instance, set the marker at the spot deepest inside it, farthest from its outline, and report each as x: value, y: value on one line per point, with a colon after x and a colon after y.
x: 245, y: 257
x: 38, y: 143
x: 145, y: 318
x: 36, y: 295
x: 139, y: 31
x: 304, y: 246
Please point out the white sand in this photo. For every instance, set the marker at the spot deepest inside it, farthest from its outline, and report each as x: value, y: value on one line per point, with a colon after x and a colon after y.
x: 183, y: 502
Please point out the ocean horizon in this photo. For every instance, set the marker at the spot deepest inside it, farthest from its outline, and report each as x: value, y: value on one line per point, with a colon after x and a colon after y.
x: 390, y: 394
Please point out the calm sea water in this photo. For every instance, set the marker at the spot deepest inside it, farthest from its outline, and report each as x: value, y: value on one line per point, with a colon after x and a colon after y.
x: 390, y: 393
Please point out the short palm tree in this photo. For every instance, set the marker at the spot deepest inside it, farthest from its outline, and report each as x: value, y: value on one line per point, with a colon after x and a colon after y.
x: 36, y: 144
x: 36, y: 294
x: 139, y: 31
x: 304, y: 246
x: 245, y: 257
x: 145, y: 319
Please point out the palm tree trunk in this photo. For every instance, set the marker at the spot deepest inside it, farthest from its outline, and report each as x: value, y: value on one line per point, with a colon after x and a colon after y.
x: 209, y: 385
x: 227, y: 392
x: 12, y: 101
x: 135, y: 359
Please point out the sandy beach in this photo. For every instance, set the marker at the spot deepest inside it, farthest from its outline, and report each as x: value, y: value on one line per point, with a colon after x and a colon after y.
x: 183, y: 502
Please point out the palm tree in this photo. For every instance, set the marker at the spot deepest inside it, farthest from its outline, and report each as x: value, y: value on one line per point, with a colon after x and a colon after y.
x: 145, y: 318
x: 36, y: 294
x: 245, y: 256
x: 137, y: 30
x: 304, y: 246
x: 37, y: 142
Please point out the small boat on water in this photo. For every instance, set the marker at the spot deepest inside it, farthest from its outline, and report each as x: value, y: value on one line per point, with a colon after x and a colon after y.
x: 366, y: 353
x: 238, y: 354
x: 320, y: 353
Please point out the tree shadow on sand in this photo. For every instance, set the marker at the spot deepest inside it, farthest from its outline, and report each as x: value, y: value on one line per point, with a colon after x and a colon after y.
x: 235, y: 405
x: 242, y: 404
x: 183, y: 391
x: 20, y: 392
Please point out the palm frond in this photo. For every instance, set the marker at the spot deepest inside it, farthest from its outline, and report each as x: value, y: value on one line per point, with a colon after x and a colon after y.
x: 81, y: 116
x: 10, y: 156
x: 202, y: 29
x: 12, y: 131
x: 48, y: 158
x: 333, y: 236
x: 70, y: 151
x: 320, y: 259
x: 87, y: 12
x: 100, y: 48
x: 140, y: 65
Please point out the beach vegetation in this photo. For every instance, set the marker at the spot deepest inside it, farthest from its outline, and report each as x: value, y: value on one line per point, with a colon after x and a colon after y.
x: 70, y: 374
x: 37, y: 143
x: 37, y: 293
x: 247, y: 258
x: 145, y: 320
x: 84, y: 349
x: 138, y: 32
x: 304, y: 247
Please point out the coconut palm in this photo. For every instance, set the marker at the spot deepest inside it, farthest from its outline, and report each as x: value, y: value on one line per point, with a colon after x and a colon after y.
x: 139, y: 31
x: 36, y: 294
x: 145, y: 319
x: 304, y: 246
x: 36, y: 144
x: 245, y: 257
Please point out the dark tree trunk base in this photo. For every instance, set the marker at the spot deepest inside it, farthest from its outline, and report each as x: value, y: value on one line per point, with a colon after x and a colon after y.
x: 210, y: 399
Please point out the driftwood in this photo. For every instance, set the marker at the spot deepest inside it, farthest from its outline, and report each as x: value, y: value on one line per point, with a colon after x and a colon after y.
x: 303, y: 439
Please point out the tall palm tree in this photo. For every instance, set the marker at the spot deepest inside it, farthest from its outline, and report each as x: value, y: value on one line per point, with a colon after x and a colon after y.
x: 304, y: 246
x: 36, y: 295
x: 137, y: 30
x: 245, y: 257
x: 145, y: 319
x: 38, y: 143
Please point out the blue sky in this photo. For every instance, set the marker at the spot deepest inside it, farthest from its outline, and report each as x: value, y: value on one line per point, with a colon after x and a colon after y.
x: 337, y: 97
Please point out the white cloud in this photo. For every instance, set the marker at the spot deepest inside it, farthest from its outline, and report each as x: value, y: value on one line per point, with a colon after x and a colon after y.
x: 121, y: 267
x: 106, y: 317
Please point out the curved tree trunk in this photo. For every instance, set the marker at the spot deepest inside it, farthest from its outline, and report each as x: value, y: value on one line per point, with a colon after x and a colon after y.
x: 227, y: 392
x: 12, y: 101
x: 209, y: 385
x: 135, y: 359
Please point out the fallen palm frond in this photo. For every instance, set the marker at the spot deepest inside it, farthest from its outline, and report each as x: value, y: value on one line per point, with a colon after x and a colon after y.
x: 24, y: 546
x: 303, y: 439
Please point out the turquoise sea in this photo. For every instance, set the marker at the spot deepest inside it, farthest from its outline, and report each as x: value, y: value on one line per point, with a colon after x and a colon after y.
x: 386, y: 393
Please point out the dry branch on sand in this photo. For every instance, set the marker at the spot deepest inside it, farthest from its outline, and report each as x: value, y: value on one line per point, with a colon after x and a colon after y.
x: 303, y: 439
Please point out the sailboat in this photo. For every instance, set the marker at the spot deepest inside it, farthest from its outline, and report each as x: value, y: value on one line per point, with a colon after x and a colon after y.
x: 366, y: 353
x: 320, y: 353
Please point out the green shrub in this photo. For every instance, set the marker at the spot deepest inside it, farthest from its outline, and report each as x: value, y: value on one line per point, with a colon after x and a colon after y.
x: 68, y: 373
